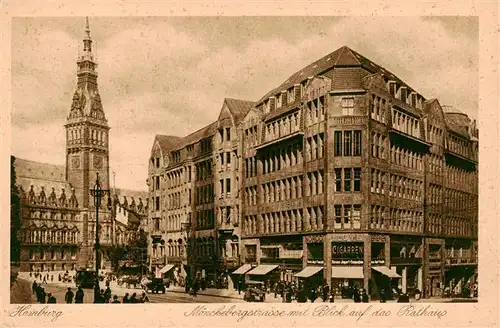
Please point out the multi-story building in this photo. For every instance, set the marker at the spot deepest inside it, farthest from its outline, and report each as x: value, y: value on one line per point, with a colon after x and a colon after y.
x: 352, y: 176
x: 58, y: 215
x: 194, y: 188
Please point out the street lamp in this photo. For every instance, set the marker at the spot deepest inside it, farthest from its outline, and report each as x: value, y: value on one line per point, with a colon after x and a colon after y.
x: 98, y: 193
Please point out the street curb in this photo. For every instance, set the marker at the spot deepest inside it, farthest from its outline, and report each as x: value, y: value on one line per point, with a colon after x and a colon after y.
x: 205, y: 294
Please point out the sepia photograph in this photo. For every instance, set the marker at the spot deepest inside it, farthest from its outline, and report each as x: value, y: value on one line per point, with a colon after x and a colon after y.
x: 244, y: 159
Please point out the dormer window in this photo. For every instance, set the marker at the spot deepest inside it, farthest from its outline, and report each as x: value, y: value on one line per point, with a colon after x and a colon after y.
x: 291, y: 95
x: 279, y: 101
x: 267, y: 106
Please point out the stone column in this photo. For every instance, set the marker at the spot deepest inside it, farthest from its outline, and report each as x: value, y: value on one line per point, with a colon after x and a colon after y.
x: 367, y: 262
x: 420, y: 279
x: 403, y: 279
x: 327, y: 258
x: 305, y: 253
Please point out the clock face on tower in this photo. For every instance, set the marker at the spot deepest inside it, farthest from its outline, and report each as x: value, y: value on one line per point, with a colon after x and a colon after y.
x: 97, y: 162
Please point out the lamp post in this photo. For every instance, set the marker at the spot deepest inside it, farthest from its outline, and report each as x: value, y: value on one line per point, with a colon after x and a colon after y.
x: 97, y: 192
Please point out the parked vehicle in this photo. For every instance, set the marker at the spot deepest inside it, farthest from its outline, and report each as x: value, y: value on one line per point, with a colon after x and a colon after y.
x: 254, y: 291
x: 85, y: 278
x: 156, y: 285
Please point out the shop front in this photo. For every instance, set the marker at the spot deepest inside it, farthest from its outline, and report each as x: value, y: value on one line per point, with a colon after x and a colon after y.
x: 268, y: 274
x: 347, y: 267
x: 311, y: 276
x: 406, y: 258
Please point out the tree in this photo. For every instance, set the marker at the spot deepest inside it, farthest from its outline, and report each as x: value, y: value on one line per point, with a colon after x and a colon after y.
x: 137, y: 248
x: 134, y: 252
x: 15, y: 215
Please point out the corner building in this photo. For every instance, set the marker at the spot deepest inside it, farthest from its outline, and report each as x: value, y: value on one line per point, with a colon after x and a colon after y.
x: 194, y: 184
x: 352, y: 176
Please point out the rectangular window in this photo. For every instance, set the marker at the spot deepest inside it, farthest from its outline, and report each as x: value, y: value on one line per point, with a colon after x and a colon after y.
x: 357, y: 179
x: 228, y: 186
x: 348, y: 106
x: 338, y: 180
x: 347, y: 143
x: 157, y: 203
x: 338, y: 143
x: 228, y: 158
x: 357, y: 143
x: 347, y: 180
x: 338, y: 216
x: 221, y: 188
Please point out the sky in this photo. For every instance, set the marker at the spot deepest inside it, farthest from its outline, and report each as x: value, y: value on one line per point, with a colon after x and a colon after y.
x: 170, y: 75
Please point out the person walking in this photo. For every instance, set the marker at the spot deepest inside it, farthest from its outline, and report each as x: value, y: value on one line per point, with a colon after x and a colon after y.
x: 115, y: 300
x: 134, y: 299
x: 383, y: 298
x: 364, y: 296
x: 69, y: 296
x: 51, y: 299
x: 144, y: 298
x: 107, y: 295
x: 125, y: 299
x: 79, y: 295
x: 326, y: 291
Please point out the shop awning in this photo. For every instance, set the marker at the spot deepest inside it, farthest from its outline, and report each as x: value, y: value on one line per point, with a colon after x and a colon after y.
x: 263, y: 269
x: 308, y: 272
x: 386, y: 271
x: 348, y: 272
x: 242, y: 269
x: 167, y: 268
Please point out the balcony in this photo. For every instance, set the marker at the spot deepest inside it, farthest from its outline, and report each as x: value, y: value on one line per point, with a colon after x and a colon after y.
x: 459, y: 160
x: 286, y: 138
x: 407, y: 141
x: 456, y: 261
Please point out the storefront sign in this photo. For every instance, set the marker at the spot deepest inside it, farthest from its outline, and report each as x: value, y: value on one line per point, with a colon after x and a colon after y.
x: 344, y: 251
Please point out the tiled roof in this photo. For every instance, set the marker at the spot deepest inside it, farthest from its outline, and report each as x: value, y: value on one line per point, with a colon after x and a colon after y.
x: 37, y: 174
x: 343, y: 56
x: 198, y: 135
x: 38, y: 170
x: 239, y: 108
x: 455, y: 122
x: 167, y: 142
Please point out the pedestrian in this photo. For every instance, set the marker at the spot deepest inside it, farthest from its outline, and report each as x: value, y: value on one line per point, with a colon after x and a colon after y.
x: 42, y: 296
x: 115, y: 300
x: 364, y: 296
x: 125, y: 299
x: 79, y: 295
x: 326, y: 291
x: 240, y: 285
x: 30, y: 274
x: 144, y: 298
x: 51, y: 278
x: 355, y: 296
x: 59, y: 277
x: 383, y: 298
x: 51, y: 299
x: 69, y: 296
x: 107, y: 295
x: 134, y: 299
x: 332, y: 297
x: 44, y: 280
x: 34, y: 287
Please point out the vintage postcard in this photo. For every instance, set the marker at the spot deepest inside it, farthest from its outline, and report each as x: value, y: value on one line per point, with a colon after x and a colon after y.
x: 233, y: 165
